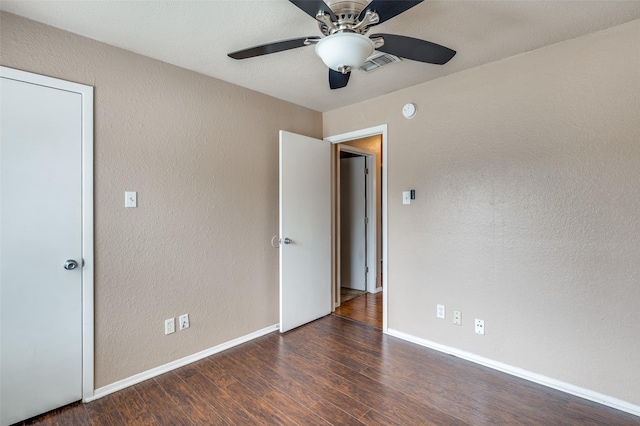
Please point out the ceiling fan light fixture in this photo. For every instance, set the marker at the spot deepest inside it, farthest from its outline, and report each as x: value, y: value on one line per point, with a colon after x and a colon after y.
x: 344, y: 51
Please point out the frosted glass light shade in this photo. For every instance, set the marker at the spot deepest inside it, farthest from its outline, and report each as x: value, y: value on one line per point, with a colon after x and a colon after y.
x: 344, y: 50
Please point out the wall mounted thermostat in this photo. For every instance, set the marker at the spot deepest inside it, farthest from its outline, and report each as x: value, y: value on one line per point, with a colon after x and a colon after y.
x: 409, y: 110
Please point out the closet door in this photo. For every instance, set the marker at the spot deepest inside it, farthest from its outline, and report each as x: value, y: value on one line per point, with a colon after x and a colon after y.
x: 41, y: 249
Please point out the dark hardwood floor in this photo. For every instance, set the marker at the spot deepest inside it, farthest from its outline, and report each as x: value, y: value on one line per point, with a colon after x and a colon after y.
x: 335, y: 371
x: 366, y: 309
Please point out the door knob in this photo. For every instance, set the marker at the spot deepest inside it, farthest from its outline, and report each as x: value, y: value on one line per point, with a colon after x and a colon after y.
x: 287, y: 240
x: 70, y: 264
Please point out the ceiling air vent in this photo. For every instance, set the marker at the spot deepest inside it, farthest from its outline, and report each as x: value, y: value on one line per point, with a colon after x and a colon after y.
x: 378, y: 60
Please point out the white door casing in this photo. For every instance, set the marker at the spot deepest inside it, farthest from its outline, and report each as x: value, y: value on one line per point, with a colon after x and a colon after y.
x: 305, y: 222
x: 46, y: 171
x: 353, y: 238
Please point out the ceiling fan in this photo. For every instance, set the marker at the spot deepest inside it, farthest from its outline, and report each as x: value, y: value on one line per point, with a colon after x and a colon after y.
x: 345, y: 47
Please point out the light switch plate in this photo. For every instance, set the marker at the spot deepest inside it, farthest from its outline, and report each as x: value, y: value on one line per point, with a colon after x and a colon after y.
x: 406, y: 197
x: 184, y: 321
x: 130, y: 199
x: 440, y: 311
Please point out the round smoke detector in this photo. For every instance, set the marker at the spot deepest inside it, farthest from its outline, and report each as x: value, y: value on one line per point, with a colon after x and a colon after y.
x: 409, y: 110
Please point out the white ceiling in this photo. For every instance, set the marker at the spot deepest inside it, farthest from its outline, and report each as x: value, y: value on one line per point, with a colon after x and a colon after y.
x: 197, y: 35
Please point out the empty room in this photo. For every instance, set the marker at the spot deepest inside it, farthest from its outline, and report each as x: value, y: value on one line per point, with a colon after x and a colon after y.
x: 319, y: 212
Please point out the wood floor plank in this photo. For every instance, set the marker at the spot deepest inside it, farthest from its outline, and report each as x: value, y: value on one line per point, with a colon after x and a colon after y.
x: 374, y: 418
x: 74, y: 416
x: 133, y: 409
x: 157, y: 401
x: 471, y: 401
x: 301, y: 388
x: 45, y: 419
x: 219, y: 399
x: 184, y: 398
x: 257, y: 407
x: 74, y: 413
x: 341, y: 372
x: 211, y: 368
x: 103, y: 412
x: 405, y: 408
x: 293, y: 410
x: 342, y: 354
x: 245, y: 374
x: 366, y: 309
x: 321, y: 387
x: 333, y: 414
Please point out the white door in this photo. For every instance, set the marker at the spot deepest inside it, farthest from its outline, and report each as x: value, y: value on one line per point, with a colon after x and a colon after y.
x: 41, y: 229
x: 305, y: 230
x: 353, y: 227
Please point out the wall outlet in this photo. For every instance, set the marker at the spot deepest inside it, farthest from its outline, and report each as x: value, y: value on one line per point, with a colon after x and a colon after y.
x: 184, y: 321
x: 440, y: 311
x: 479, y: 326
x: 457, y: 317
x: 169, y: 326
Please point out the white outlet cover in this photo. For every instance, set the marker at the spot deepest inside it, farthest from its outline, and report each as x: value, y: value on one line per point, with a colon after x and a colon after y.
x: 169, y: 326
x: 457, y: 317
x: 440, y: 311
x: 479, y: 326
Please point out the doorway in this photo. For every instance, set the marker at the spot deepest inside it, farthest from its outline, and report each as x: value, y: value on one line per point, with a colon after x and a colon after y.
x: 360, y: 249
x: 304, y: 227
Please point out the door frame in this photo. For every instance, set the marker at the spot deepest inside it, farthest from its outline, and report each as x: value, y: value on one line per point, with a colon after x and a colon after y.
x: 86, y: 93
x: 371, y: 214
x: 359, y: 134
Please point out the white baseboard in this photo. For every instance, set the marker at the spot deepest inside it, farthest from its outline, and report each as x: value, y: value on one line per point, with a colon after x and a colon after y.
x: 145, y: 375
x: 523, y: 374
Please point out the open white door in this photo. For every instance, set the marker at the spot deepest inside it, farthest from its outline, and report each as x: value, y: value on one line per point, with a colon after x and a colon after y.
x: 305, y: 230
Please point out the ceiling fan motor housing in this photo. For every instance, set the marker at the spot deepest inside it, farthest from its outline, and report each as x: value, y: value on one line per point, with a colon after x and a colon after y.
x: 344, y: 51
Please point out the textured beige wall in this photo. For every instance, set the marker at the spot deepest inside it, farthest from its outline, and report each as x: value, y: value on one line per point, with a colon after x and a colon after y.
x: 203, y: 156
x: 527, y: 173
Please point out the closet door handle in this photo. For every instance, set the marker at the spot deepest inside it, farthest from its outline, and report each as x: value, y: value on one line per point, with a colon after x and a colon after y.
x: 70, y: 265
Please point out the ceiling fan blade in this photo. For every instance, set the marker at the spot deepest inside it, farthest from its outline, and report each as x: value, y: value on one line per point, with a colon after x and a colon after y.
x: 387, y: 9
x: 337, y: 80
x: 265, y: 49
x: 312, y: 7
x: 415, y: 49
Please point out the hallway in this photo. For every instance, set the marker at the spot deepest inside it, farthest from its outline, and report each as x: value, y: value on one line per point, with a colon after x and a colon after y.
x: 366, y: 309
